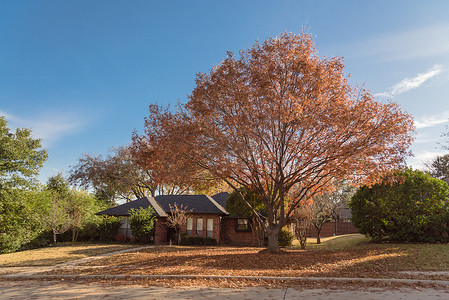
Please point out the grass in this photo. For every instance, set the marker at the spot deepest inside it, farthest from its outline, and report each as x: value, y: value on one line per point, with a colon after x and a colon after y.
x: 49, y: 256
x: 339, y: 242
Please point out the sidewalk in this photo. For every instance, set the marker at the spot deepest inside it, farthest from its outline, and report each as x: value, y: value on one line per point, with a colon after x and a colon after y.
x: 58, y: 290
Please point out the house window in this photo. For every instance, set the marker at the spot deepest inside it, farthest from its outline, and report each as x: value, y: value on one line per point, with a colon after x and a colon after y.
x: 199, y: 227
x: 242, y: 225
x: 189, y: 226
x: 210, y: 228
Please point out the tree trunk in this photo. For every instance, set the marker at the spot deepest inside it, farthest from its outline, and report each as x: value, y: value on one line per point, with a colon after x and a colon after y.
x: 273, y: 234
x: 75, y: 233
x: 318, y: 231
x: 54, y: 237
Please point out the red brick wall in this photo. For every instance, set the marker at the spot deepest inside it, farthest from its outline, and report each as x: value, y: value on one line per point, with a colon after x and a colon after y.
x: 216, y: 227
x: 160, y: 231
x: 230, y: 236
x: 334, y: 228
x: 160, y: 228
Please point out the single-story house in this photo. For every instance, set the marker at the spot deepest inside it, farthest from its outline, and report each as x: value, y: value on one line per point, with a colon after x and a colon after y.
x: 208, y: 218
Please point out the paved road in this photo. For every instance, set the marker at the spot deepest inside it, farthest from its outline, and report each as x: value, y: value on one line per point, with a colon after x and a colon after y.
x: 58, y: 290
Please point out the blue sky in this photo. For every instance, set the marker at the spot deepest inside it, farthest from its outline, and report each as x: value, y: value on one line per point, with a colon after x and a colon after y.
x: 82, y: 73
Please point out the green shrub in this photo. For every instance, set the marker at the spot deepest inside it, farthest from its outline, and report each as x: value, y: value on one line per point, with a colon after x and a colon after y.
x: 20, y: 226
x: 142, y: 223
x: 187, y: 240
x: 285, y: 238
x: 408, y: 206
x: 107, y: 228
x: 174, y: 237
x: 198, y: 240
x: 208, y: 241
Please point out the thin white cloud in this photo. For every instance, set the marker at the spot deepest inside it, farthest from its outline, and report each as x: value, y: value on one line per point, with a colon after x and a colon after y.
x: 50, y: 127
x: 430, y: 121
x: 424, y: 139
x: 430, y: 41
x: 422, y: 157
x: 415, y: 82
x: 408, y: 84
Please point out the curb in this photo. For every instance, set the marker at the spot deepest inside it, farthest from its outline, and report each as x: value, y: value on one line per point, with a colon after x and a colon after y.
x: 338, y: 279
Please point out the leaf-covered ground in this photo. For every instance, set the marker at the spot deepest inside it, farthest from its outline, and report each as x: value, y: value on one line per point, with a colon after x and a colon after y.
x: 356, y: 259
x: 49, y: 256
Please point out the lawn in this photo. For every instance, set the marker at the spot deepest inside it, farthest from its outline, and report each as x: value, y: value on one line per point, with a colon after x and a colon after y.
x: 49, y: 256
x: 343, y: 256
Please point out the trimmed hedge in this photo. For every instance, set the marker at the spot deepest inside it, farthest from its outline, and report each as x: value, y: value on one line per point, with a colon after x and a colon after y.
x: 188, y: 240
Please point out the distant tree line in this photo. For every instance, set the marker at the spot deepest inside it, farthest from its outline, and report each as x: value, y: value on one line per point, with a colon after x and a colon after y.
x: 34, y: 215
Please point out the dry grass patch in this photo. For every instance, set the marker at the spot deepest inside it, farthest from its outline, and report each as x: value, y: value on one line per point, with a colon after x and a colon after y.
x: 339, y: 242
x: 57, y: 254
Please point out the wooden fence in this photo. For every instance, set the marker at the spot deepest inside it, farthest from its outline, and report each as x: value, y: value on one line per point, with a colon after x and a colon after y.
x: 334, y: 228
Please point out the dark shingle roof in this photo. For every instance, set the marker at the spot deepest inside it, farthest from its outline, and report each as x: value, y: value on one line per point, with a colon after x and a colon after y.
x: 200, y: 204
x: 221, y: 198
x: 123, y: 210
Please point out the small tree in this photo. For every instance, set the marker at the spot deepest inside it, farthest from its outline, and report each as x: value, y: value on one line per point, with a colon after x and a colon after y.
x: 302, y: 221
x: 177, y: 218
x: 328, y: 205
x: 321, y: 212
x: 142, y: 223
x: 56, y: 215
x: 81, y: 207
x: 438, y: 167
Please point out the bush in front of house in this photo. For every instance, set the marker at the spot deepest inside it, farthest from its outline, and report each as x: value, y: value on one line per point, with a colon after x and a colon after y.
x: 108, y: 227
x: 407, y: 206
x: 208, y: 241
x: 285, y: 238
x: 197, y: 240
x: 142, y: 223
x: 188, y: 240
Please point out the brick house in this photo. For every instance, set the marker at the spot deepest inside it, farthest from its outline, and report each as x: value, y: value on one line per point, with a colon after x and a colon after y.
x: 208, y: 218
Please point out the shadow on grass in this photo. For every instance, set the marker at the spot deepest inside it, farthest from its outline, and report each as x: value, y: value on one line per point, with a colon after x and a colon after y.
x: 248, y: 262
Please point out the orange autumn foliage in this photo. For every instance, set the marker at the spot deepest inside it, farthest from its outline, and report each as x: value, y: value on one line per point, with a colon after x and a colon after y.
x: 284, y: 123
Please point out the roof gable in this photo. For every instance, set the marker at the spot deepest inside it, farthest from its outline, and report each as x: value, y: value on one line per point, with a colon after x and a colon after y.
x: 221, y: 198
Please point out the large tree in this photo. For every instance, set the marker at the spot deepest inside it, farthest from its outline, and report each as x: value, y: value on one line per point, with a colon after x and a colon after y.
x: 21, y: 155
x: 113, y: 176
x: 284, y: 123
x: 172, y: 170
